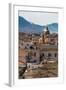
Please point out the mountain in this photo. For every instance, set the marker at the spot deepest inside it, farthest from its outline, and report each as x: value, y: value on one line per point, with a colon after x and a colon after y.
x: 26, y: 26
x: 53, y: 27
x: 29, y: 27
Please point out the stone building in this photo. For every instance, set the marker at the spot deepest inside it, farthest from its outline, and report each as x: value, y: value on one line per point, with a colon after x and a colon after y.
x: 33, y: 56
x: 49, y: 52
x: 48, y: 38
x: 46, y: 48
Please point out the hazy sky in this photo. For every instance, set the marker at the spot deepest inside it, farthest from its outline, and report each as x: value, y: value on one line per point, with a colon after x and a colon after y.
x: 41, y: 18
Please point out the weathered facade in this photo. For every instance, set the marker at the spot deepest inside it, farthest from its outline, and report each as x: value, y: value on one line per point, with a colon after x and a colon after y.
x: 40, y: 49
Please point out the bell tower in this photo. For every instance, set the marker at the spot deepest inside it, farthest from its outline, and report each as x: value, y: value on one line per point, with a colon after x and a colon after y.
x: 42, y: 36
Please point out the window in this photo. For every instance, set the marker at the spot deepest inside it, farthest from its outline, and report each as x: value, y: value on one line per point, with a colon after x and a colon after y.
x: 34, y: 43
x: 29, y: 66
x: 31, y: 47
x: 34, y: 61
x: 42, y: 54
x: 49, y: 54
x: 55, y: 54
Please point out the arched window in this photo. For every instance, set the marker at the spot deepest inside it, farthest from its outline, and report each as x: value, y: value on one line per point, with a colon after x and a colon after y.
x: 55, y: 54
x: 49, y: 54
